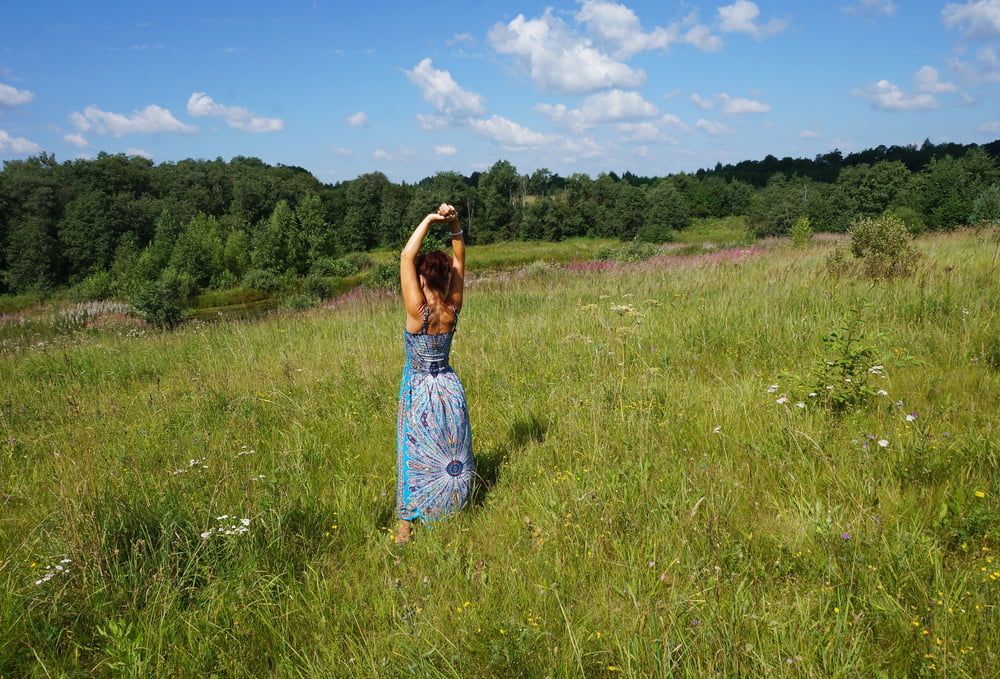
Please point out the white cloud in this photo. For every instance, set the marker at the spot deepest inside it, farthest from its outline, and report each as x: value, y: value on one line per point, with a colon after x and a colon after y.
x: 701, y: 36
x: 885, y: 8
x: 985, y: 69
x: 17, y: 145
x: 968, y: 99
x: 11, y: 96
x: 446, y: 150
x: 132, y: 151
x: 359, y: 119
x: 341, y: 151
x: 671, y: 119
x: 602, y: 107
x: 976, y: 19
x: 740, y: 105
x: 729, y: 104
x: 400, y: 154
x: 200, y: 105
x: 459, y: 38
x: 742, y: 16
x: 77, y: 139
x: 701, y: 102
x: 810, y: 134
x: 429, y: 121
x: 643, y: 133
x: 558, y: 59
x: 150, y: 120
x: 506, y: 132
x: 712, y: 128
x: 888, y: 97
x: 441, y: 90
x: 927, y: 80
x: 992, y: 127
x: 619, y: 26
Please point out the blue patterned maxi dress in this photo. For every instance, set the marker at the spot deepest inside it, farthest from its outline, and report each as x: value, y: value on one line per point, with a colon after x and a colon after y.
x: 434, y: 464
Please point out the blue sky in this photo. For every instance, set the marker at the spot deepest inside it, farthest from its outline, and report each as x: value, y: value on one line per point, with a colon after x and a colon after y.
x: 344, y: 88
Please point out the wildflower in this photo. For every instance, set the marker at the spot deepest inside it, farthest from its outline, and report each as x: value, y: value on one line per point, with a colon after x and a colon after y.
x: 883, y: 443
x: 52, y: 571
x: 980, y: 493
x: 876, y: 370
x: 845, y: 536
x: 812, y: 394
x: 695, y: 622
x: 800, y: 404
x: 717, y: 430
x: 773, y: 388
x: 911, y: 417
x: 781, y: 400
x: 882, y: 392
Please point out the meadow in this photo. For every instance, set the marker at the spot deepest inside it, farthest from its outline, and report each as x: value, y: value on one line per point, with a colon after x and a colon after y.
x: 668, y: 486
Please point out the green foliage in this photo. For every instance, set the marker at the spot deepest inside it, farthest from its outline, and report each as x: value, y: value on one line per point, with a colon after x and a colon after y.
x: 31, y: 253
x: 96, y: 286
x: 986, y: 208
x: 885, y: 247
x: 263, y: 280
x: 801, y: 232
x: 301, y: 300
x: 384, y: 277
x: 632, y: 251
x: 913, y: 220
x: 348, y: 265
x: 668, y: 213
x: 843, y: 379
x: 161, y: 302
x: 198, y: 251
x: 319, y: 287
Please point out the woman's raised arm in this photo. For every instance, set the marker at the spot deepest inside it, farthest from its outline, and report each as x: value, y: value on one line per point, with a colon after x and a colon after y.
x: 413, y: 296
x: 457, y: 263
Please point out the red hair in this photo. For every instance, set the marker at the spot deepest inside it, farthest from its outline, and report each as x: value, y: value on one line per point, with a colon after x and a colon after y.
x: 435, y: 267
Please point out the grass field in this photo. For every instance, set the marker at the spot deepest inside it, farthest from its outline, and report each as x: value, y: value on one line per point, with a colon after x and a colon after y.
x: 651, y: 505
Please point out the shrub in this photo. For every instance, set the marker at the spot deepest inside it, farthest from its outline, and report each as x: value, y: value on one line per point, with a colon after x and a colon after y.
x: 99, y: 285
x: 986, y: 208
x: 161, y: 302
x: 262, y: 279
x: 884, y: 246
x: 840, y: 262
x: 913, y: 220
x: 319, y: 287
x: 300, y: 301
x: 383, y: 276
x: 348, y: 265
x: 632, y: 251
x: 801, y: 232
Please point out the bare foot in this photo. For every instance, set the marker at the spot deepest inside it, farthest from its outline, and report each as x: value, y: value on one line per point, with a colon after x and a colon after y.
x: 403, y: 532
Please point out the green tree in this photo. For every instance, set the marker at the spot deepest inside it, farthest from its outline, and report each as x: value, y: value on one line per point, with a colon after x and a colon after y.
x: 198, y: 251
x: 668, y: 213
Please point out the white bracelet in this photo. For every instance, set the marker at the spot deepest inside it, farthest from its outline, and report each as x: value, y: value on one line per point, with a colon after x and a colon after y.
x: 458, y: 234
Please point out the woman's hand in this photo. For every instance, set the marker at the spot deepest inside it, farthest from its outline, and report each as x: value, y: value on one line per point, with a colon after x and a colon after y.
x: 448, y: 212
x: 435, y: 217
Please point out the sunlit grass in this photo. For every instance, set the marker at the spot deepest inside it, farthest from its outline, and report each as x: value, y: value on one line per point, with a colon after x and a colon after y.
x: 653, y: 511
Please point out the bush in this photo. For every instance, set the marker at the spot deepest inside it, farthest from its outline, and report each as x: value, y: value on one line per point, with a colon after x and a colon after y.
x: 884, y: 246
x: 99, y: 285
x: 840, y: 262
x: 161, y: 302
x: 300, y: 301
x: 986, y: 208
x: 632, y: 251
x: 262, y: 279
x: 801, y: 232
x: 319, y: 287
x: 383, y: 276
x: 913, y: 220
x: 348, y: 265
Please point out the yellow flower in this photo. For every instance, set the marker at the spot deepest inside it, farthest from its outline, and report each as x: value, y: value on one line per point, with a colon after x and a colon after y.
x: 980, y: 493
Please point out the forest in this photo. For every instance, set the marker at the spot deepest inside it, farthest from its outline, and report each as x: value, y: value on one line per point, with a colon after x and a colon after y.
x: 110, y: 225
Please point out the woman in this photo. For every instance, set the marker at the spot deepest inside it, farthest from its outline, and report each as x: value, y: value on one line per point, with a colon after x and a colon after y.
x: 435, y: 464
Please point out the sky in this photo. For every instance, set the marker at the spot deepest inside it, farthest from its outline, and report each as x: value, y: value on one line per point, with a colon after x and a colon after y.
x: 410, y: 89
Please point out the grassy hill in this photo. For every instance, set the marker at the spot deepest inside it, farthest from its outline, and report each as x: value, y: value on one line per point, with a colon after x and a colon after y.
x: 656, y: 501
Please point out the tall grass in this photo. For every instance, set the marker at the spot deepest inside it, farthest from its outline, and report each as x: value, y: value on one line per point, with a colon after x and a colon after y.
x: 648, y: 507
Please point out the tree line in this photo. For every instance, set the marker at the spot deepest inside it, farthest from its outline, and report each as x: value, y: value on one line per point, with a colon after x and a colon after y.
x: 114, y: 223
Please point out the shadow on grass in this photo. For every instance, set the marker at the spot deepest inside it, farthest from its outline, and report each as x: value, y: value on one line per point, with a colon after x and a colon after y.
x: 523, y: 432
